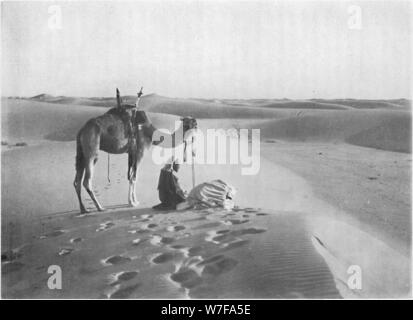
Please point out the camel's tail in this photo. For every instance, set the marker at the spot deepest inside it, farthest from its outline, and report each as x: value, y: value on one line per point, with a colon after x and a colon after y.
x: 79, y: 155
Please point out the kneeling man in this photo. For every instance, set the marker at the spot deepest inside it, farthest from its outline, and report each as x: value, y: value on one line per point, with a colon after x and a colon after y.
x: 170, y: 192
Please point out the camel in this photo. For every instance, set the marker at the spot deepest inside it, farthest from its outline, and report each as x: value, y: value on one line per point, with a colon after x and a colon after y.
x: 122, y: 129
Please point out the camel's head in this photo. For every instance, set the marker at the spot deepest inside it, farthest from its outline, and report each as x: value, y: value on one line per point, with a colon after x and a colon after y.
x: 140, y: 118
x: 189, y: 123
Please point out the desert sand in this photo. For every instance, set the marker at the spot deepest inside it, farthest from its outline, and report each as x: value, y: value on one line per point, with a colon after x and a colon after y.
x: 333, y: 191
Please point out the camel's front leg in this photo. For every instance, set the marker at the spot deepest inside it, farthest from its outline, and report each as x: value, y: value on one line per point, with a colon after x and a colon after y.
x: 132, y: 170
x: 134, y: 159
x: 132, y: 193
x: 132, y: 188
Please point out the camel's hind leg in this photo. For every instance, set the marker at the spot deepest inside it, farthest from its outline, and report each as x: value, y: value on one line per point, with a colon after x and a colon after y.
x: 78, y: 187
x: 87, y: 182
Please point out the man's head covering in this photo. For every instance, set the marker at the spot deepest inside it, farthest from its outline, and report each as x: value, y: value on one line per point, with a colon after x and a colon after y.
x: 171, y: 161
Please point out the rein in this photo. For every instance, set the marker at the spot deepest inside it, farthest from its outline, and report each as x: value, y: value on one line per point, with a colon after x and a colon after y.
x: 119, y: 103
x: 108, y: 167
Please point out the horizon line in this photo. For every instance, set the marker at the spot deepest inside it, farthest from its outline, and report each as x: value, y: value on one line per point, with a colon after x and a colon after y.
x: 177, y: 97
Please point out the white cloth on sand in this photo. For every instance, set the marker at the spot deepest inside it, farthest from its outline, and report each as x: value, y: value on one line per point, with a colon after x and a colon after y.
x: 216, y: 193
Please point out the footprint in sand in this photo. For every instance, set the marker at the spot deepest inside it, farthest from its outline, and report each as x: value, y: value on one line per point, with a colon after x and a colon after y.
x: 117, y: 278
x: 261, y: 214
x: 219, y: 237
x: 234, y: 244
x: 53, y: 234
x: 178, y: 246
x: 252, y: 230
x: 140, y: 231
x: 175, y: 228
x: 137, y: 241
x: 186, y: 277
x: 167, y: 240
x: 222, y: 238
x: 11, y: 255
x: 76, y: 240
x: 158, y: 240
x: 148, y: 227
x: 217, y: 265
x: 195, y: 251
x: 236, y: 221
x: 115, y: 260
x: 65, y: 251
x: 104, y: 226
x: 164, y: 257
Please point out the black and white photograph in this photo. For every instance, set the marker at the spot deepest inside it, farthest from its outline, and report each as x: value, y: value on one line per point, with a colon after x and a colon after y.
x: 218, y: 150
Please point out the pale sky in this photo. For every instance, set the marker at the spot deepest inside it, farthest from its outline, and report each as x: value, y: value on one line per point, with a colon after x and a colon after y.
x: 267, y: 49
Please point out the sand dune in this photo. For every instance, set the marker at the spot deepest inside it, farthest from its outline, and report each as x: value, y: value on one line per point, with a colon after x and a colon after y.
x: 393, y: 134
x: 370, y: 104
x: 379, y: 129
x: 221, y: 108
x: 198, y: 109
x: 264, y: 248
x: 382, y: 129
x: 31, y: 120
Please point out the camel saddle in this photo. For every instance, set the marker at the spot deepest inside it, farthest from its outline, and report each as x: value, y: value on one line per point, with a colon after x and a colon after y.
x: 131, y: 118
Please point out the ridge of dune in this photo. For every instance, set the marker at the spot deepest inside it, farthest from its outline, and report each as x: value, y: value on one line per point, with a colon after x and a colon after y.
x: 393, y: 134
x: 211, y: 110
x: 369, y: 104
x: 54, y: 121
x: 380, y: 129
x: 226, y: 108
x: 42, y: 96
x: 304, y: 105
x: 385, y: 130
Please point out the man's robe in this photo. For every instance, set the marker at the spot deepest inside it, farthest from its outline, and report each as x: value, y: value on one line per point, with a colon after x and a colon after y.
x: 170, y: 192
